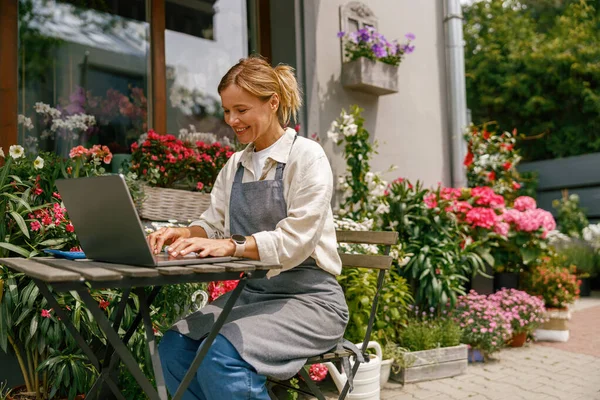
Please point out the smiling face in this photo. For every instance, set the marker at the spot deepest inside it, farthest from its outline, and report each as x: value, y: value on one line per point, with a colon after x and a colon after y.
x: 252, y: 119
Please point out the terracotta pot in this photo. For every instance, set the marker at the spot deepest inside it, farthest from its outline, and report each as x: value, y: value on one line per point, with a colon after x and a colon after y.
x: 518, y: 339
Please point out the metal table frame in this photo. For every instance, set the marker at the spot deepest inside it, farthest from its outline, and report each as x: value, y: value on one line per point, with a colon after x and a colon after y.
x: 117, y: 349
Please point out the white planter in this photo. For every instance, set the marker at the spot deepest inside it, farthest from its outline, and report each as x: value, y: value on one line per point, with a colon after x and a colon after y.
x: 386, y: 369
x: 433, y: 364
x: 369, y: 76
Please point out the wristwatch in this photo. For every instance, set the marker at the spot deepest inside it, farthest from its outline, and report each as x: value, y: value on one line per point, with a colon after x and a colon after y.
x: 240, y: 245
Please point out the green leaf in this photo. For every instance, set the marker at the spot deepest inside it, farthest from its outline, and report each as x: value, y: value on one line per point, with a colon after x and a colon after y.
x: 34, y: 326
x: 19, y: 250
x: 21, y: 222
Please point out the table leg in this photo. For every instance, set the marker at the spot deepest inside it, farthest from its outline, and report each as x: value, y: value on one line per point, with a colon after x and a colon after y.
x: 76, y: 335
x: 107, y: 366
x: 120, y: 348
x: 187, y: 379
x: 152, y: 347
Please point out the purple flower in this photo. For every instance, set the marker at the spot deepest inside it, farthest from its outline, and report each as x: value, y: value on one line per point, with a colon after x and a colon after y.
x: 341, y: 34
x: 364, y: 35
x: 410, y: 36
x: 407, y: 49
x: 379, y: 51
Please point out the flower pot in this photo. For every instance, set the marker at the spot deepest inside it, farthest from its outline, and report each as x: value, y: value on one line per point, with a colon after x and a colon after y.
x: 508, y: 280
x: 518, y: 339
x: 370, y: 76
x: 162, y: 204
x: 585, y: 287
x: 431, y: 364
x: 556, y: 328
x: 386, y: 369
x: 475, y: 355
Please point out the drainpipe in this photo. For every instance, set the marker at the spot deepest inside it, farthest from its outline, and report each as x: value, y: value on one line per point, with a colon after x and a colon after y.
x: 457, y: 94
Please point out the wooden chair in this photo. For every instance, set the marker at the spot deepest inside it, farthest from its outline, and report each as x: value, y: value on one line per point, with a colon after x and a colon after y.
x: 344, y: 350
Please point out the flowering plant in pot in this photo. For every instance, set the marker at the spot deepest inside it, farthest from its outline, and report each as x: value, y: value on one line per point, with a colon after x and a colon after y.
x: 370, y: 44
x: 167, y: 162
x: 371, y: 61
x: 441, y: 255
x: 558, y: 286
x: 524, y: 311
x: 485, y: 325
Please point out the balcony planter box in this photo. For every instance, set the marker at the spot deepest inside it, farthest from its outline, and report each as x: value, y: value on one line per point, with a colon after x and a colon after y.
x: 432, y: 364
x: 369, y: 76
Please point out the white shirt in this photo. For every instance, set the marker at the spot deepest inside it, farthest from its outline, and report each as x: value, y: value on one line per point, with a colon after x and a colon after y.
x: 308, y: 229
x: 260, y: 157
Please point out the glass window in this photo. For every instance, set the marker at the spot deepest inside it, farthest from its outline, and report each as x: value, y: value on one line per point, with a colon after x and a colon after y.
x: 204, y: 38
x: 83, y: 73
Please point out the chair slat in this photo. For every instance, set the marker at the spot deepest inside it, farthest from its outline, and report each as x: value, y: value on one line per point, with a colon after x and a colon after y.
x: 366, y: 261
x: 367, y: 237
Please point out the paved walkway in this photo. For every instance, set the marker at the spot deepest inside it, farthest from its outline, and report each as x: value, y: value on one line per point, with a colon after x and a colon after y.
x: 558, y: 371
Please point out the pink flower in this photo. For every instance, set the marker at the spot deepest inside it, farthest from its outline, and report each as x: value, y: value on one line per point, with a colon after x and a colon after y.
x: 317, y: 372
x: 78, y: 151
x: 35, y: 225
x: 502, y: 228
x: 430, y: 200
x: 46, y: 313
x: 200, y: 186
x: 482, y: 217
x: 69, y: 227
x: 524, y: 203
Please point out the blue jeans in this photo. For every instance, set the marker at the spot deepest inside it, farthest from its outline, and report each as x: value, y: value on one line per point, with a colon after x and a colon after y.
x: 222, y: 375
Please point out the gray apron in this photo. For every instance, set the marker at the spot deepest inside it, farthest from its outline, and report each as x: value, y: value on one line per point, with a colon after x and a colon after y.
x: 276, y: 323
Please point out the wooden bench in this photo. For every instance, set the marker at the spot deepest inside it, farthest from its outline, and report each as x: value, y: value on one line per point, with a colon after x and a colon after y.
x: 381, y: 262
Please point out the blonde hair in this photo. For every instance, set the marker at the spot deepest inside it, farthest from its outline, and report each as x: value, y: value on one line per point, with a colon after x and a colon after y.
x: 255, y: 75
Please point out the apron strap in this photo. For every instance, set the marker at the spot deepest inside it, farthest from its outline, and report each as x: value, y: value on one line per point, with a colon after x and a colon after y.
x: 239, y: 174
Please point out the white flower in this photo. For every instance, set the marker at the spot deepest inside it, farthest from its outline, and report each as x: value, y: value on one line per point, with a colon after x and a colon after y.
x: 383, y: 208
x: 16, y: 151
x: 333, y: 136
x: 1, y: 152
x: 26, y: 122
x: 347, y: 119
x: 38, y: 163
x: 350, y: 130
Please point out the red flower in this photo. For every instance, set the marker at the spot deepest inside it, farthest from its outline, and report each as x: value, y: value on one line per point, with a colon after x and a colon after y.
x: 70, y: 227
x: 46, y: 313
x: 200, y: 186
x: 486, y: 135
x: 35, y: 226
x: 317, y: 372
x: 104, y: 304
x: 468, y: 159
x: 516, y: 185
x: 57, y: 195
x: 492, y: 176
x: 507, y: 165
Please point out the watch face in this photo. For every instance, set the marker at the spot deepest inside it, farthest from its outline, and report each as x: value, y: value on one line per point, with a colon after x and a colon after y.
x: 239, y: 239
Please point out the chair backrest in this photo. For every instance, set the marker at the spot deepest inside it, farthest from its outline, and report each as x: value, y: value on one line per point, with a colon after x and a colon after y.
x: 379, y: 261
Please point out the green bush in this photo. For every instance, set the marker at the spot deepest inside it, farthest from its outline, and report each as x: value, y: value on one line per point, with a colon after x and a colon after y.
x: 570, y: 216
x: 428, y: 331
x: 529, y: 64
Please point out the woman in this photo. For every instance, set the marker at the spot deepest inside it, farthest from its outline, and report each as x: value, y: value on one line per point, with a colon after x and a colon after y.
x: 273, y: 198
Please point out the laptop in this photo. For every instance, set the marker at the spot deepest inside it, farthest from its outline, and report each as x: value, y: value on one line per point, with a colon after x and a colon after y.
x: 108, y: 226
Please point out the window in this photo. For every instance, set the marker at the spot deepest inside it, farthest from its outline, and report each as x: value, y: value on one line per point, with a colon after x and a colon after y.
x: 83, y: 71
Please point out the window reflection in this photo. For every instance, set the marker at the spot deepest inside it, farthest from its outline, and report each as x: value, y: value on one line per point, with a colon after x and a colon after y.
x: 196, y: 61
x: 82, y: 73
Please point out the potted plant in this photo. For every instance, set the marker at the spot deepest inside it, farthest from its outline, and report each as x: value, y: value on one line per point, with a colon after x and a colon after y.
x: 371, y: 61
x: 440, y: 255
x: 572, y: 251
x: 558, y: 287
x: 428, y: 347
x: 525, y: 313
x: 485, y: 326
x: 178, y: 176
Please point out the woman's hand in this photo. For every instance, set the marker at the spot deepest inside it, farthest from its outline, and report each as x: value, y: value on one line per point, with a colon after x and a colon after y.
x: 202, y: 247
x: 163, y: 236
